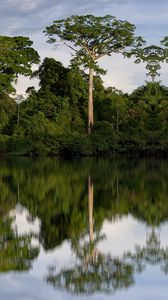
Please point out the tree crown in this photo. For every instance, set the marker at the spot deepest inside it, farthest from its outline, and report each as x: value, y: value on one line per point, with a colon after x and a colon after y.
x: 92, y: 37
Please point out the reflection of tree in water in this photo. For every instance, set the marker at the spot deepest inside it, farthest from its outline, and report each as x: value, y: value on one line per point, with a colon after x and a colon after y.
x: 94, y: 271
x: 16, y: 252
x: 103, y: 274
x: 152, y: 254
x: 97, y: 272
x: 54, y: 191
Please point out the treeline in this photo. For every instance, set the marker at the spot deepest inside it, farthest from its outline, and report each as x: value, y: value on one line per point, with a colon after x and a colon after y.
x: 53, y: 120
x: 72, y: 112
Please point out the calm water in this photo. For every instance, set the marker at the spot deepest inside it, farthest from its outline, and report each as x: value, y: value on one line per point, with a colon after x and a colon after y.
x: 85, y: 229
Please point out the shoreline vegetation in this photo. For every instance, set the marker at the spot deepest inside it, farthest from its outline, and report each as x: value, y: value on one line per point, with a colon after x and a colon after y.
x: 53, y: 125
x: 72, y: 113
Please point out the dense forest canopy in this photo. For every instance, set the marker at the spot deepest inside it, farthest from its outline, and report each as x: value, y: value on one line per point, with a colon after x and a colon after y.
x: 56, y: 118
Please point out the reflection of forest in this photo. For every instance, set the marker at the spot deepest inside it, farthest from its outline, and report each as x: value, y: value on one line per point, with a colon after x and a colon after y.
x: 152, y: 253
x: 56, y: 192
x: 16, y: 252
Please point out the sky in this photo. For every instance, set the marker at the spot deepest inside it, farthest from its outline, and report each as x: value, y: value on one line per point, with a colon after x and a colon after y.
x: 30, y: 17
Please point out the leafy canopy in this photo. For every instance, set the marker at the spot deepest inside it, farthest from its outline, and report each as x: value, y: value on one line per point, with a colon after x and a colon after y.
x: 16, y: 57
x: 92, y: 37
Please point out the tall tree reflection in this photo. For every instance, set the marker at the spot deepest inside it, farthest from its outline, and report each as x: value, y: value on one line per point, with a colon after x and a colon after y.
x: 94, y: 271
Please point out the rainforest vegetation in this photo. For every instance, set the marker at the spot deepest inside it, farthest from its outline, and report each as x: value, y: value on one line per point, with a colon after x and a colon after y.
x: 72, y: 113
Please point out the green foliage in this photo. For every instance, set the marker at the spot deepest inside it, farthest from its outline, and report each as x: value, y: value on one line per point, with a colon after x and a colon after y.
x: 4, y: 143
x: 7, y: 114
x: 92, y: 37
x: 16, y: 57
x: 4, y: 118
x: 53, y: 120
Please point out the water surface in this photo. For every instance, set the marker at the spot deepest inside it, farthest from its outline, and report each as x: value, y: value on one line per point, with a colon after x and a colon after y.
x: 83, y: 229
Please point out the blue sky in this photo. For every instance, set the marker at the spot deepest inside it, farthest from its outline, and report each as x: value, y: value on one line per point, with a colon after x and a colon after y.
x: 30, y: 17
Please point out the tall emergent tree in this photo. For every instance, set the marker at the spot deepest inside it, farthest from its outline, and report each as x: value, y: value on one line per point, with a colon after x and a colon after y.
x: 92, y: 38
x: 16, y: 58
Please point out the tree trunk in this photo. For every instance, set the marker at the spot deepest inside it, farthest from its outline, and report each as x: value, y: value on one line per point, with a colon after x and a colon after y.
x: 90, y: 103
x: 90, y: 206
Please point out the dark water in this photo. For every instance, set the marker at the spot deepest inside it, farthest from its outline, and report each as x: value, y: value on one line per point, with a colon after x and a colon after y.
x: 85, y: 229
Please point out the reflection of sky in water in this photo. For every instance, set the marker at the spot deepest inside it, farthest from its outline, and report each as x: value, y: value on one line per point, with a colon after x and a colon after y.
x: 121, y: 236
x: 22, y: 221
